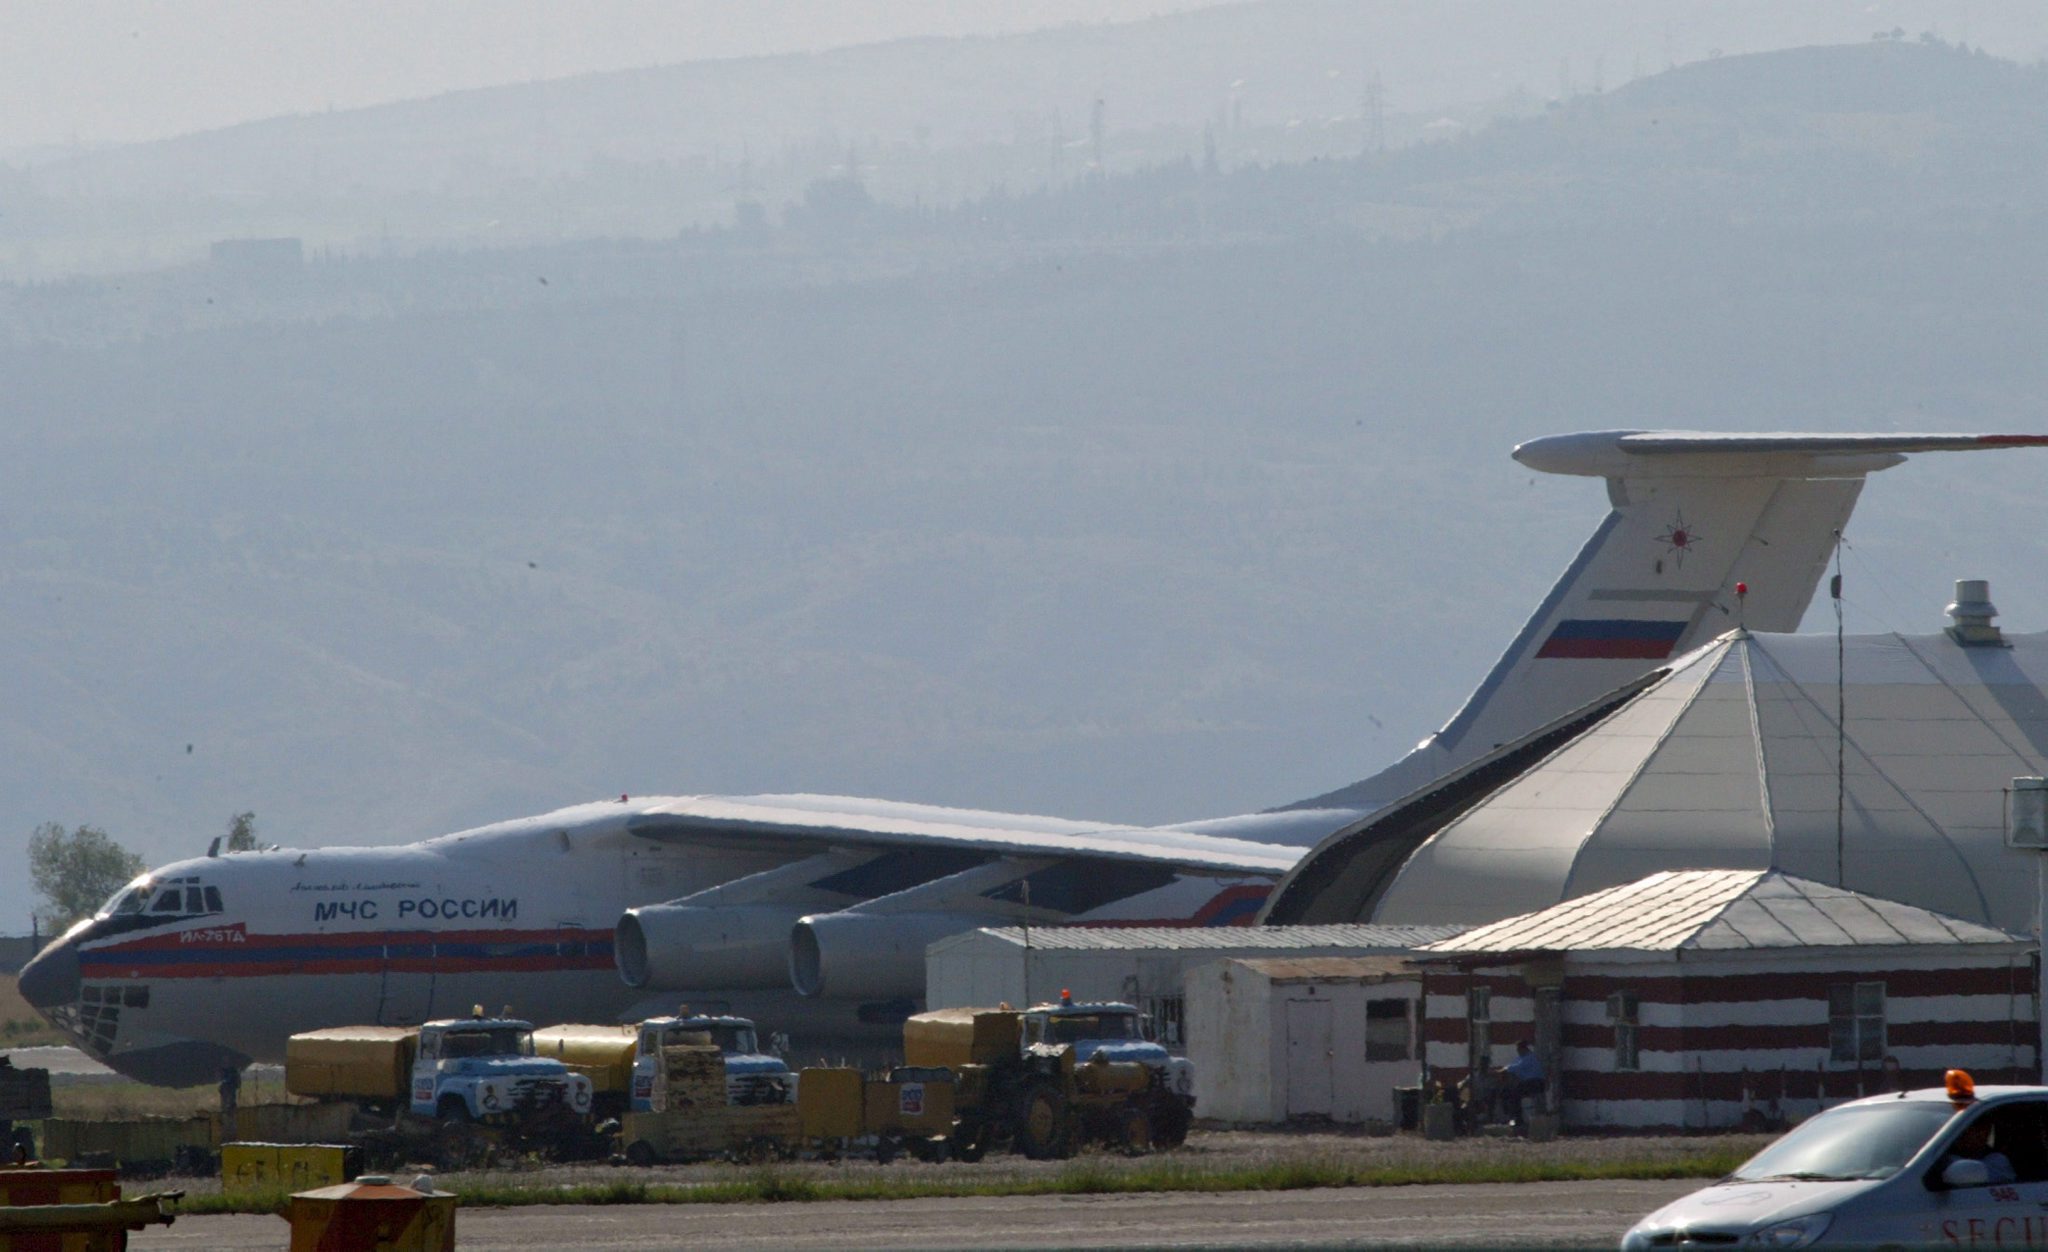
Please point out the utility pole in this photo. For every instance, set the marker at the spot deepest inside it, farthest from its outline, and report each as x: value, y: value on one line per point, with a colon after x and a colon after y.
x: 2026, y: 826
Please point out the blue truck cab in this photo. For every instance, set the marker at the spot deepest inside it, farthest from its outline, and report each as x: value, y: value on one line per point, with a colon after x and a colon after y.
x: 752, y: 1076
x: 483, y: 1069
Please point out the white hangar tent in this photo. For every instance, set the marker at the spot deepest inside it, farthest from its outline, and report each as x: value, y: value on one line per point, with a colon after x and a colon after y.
x: 1145, y: 966
x: 1730, y: 761
x: 1707, y: 999
x: 1283, y: 1038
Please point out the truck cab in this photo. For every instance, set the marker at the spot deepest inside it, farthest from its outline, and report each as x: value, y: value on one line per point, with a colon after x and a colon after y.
x: 1111, y: 1031
x: 751, y: 1075
x: 483, y: 1069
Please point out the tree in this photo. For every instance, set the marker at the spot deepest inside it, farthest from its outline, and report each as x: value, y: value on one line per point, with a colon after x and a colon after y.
x: 242, y: 833
x: 76, y: 870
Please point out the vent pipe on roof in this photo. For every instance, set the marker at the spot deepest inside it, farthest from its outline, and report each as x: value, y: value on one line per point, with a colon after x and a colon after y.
x: 1973, y: 612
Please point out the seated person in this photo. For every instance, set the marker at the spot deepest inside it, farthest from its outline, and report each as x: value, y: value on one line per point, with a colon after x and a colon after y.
x: 1523, y: 1078
x: 1975, y: 1144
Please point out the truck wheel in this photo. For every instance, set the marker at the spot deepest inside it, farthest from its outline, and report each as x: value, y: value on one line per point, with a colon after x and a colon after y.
x: 639, y: 1152
x: 1134, y: 1130
x: 1170, y: 1118
x: 24, y: 1142
x: 453, y: 1110
x: 1044, y: 1131
x: 970, y: 1141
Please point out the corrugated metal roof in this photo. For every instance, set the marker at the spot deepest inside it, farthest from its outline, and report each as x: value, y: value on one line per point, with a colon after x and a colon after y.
x: 1720, y: 909
x: 1730, y: 762
x: 1122, y: 938
x: 1315, y: 968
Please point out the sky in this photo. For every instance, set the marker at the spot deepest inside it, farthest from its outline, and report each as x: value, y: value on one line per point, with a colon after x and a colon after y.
x: 113, y: 71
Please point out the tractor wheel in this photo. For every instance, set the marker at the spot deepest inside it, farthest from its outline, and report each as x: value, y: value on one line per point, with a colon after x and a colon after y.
x: 1045, y: 1130
x: 1134, y: 1130
x: 1170, y: 1118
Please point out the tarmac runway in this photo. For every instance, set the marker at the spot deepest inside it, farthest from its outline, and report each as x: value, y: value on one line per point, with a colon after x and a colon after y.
x: 1550, y: 1214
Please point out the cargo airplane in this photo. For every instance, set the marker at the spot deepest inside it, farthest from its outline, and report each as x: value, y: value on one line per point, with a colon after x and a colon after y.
x: 812, y: 913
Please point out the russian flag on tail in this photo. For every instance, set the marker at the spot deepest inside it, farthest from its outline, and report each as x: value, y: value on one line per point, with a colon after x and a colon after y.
x: 1612, y: 638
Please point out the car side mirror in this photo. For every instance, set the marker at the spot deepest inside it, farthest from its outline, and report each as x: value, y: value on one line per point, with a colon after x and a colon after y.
x: 1964, y: 1172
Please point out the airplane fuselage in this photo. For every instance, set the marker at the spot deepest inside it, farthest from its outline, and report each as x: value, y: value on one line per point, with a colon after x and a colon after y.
x: 218, y: 960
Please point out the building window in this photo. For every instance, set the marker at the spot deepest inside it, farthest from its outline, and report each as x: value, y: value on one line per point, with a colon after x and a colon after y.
x: 1856, y: 1023
x: 1168, y: 1014
x: 1388, y: 1036
x: 1479, y: 1027
x: 1622, y: 1010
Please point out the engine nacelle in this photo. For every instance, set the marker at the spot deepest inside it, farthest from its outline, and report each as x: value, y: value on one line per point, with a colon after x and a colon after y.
x: 868, y: 956
x: 681, y: 947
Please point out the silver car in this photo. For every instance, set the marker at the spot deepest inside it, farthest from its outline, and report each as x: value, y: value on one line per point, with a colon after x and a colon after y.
x: 1955, y: 1166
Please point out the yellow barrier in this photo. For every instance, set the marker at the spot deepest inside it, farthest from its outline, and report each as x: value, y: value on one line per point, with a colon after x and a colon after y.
x: 918, y: 1108
x: 260, y: 1166
x: 290, y: 1123
x: 830, y: 1103
x: 147, y: 1139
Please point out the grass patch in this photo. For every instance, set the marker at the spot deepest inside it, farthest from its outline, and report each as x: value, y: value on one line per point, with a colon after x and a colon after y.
x: 1094, y: 1175
x: 20, y: 1025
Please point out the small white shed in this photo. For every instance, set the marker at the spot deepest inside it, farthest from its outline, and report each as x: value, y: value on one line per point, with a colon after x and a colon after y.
x: 1277, y: 1039
x: 1144, y: 966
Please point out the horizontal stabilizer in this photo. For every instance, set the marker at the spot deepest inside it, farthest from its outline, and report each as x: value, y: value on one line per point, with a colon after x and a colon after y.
x: 1645, y: 453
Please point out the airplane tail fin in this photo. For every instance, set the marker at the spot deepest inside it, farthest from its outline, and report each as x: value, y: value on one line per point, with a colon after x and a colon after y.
x: 1694, y: 516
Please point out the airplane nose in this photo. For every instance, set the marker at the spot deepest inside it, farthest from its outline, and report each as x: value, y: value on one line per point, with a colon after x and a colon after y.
x: 50, y: 980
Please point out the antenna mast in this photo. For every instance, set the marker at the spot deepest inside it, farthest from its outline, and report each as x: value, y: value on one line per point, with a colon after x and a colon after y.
x: 1841, y: 717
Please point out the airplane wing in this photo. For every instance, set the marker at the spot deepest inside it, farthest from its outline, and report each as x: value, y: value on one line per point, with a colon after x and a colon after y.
x: 810, y: 823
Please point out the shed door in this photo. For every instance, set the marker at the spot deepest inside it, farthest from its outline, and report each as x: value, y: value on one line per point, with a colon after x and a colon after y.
x: 1310, y: 1057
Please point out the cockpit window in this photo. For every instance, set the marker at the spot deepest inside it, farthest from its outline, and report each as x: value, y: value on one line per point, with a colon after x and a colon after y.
x: 183, y: 898
x: 127, y: 901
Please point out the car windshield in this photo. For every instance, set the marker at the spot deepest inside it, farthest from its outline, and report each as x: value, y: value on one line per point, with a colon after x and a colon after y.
x: 1074, y: 1027
x: 1854, y: 1141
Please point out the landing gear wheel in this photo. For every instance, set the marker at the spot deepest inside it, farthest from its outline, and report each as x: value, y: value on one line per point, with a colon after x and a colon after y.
x: 1044, y: 1130
x: 1134, y: 1130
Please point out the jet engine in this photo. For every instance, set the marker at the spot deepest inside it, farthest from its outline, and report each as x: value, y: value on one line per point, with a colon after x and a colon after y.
x: 868, y: 956
x: 684, y: 947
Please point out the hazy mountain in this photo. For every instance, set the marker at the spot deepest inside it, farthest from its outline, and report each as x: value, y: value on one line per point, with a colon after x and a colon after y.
x: 1161, y: 496
x: 920, y: 121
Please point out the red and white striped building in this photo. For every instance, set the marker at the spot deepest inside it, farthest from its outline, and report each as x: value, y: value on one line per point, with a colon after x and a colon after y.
x: 1709, y: 999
